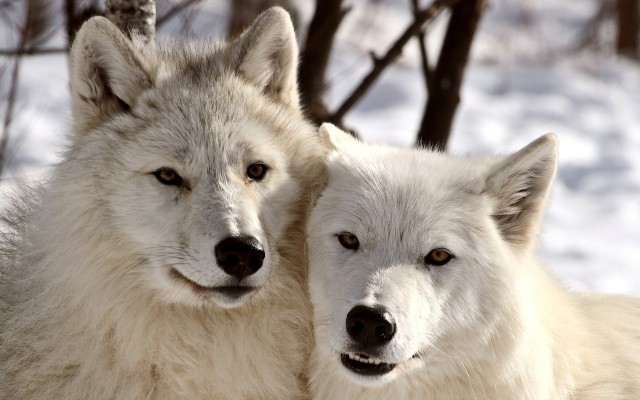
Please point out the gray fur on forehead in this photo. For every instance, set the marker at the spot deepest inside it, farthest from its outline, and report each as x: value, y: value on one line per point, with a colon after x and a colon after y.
x: 185, y: 60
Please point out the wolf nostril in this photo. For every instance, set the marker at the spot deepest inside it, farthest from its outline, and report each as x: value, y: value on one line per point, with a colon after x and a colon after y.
x: 370, y: 326
x: 228, y: 260
x: 239, y: 256
x: 384, y: 330
x: 354, y: 326
x: 256, y: 261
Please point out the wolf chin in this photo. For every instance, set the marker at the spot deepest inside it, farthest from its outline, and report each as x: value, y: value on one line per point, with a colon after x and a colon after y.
x: 164, y: 257
x: 424, y: 285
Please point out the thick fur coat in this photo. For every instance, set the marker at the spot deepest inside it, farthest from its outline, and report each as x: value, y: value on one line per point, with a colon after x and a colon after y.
x: 109, y: 287
x: 424, y: 285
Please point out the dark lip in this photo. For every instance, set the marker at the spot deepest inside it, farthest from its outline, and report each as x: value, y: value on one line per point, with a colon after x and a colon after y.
x: 366, y: 368
x: 233, y: 292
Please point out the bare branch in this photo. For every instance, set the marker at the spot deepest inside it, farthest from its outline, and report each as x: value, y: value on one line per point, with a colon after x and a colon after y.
x: 427, y: 72
x: 315, y: 56
x: 32, y: 51
x: 8, y: 115
x: 589, y: 36
x: 379, y: 64
x: 38, y: 23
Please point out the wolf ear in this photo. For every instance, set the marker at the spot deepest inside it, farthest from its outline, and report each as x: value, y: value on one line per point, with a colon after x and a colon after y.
x: 107, y: 73
x: 335, y: 138
x: 520, y: 185
x: 267, y: 56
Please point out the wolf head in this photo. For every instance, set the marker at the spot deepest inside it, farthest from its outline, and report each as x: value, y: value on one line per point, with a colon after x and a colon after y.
x: 412, y: 253
x: 193, y: 153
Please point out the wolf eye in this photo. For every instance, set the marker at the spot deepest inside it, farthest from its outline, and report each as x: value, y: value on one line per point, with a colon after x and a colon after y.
x: 437, y: 257
x: 167, y: 176
x: 349, y: 240
x: 257, y: 171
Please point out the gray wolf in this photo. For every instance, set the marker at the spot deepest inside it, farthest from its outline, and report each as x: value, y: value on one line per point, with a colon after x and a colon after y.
x: 163, y: 259
x: 425, y: 286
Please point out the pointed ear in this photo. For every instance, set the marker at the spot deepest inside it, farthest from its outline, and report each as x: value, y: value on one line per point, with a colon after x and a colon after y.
x: 520, y: 185
x: 267, y: 56
x: 334, y: 138
x: 107, y: 73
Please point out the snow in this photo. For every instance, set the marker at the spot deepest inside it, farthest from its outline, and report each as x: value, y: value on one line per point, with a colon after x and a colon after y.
x: 526, y: 78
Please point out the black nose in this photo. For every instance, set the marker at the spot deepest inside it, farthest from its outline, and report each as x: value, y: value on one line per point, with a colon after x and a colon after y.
x: 239, y: 256
x: 370, y: 326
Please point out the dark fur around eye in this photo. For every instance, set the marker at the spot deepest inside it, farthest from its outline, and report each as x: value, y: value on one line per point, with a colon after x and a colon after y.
x: 168, y: 176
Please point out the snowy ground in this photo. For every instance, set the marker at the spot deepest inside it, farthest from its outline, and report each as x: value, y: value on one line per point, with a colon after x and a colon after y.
x: 525, y: 79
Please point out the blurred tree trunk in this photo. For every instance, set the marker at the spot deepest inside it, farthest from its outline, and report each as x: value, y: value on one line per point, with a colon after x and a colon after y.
x: 447, y: 78
x: 315, y: 56
x: 243, y: 12
x: 133, y: 16
x: 74, y: 17
x: 628, y: 24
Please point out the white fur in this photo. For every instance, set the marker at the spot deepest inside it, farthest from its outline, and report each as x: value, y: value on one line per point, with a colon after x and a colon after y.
x: 490, y: 324
x: 89, y: 308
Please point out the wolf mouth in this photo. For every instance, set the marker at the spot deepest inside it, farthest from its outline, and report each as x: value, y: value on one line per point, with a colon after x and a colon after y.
x: 232, y: 292
x: 365, y: 365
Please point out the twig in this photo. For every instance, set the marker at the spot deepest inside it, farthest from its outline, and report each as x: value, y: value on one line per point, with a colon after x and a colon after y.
x: 379, y: 64
x: 175, y: 10
x: 427, y: 72
x: 8, y: 115
x: 32, y: 51
x: 606, y: 10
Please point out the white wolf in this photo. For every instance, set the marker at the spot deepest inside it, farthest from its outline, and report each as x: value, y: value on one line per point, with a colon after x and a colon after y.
x: 164, y: 258
x: 424, y: 285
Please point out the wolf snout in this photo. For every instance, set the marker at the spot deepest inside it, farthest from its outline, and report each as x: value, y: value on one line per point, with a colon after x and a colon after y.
x: 239, y: 256
x: 370, y: 326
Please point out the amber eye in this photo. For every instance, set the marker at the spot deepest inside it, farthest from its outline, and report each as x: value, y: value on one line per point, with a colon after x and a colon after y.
x: 257, y: 171
x: 168, y: 176
x: 437, y: 257
x: 349, y: 240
